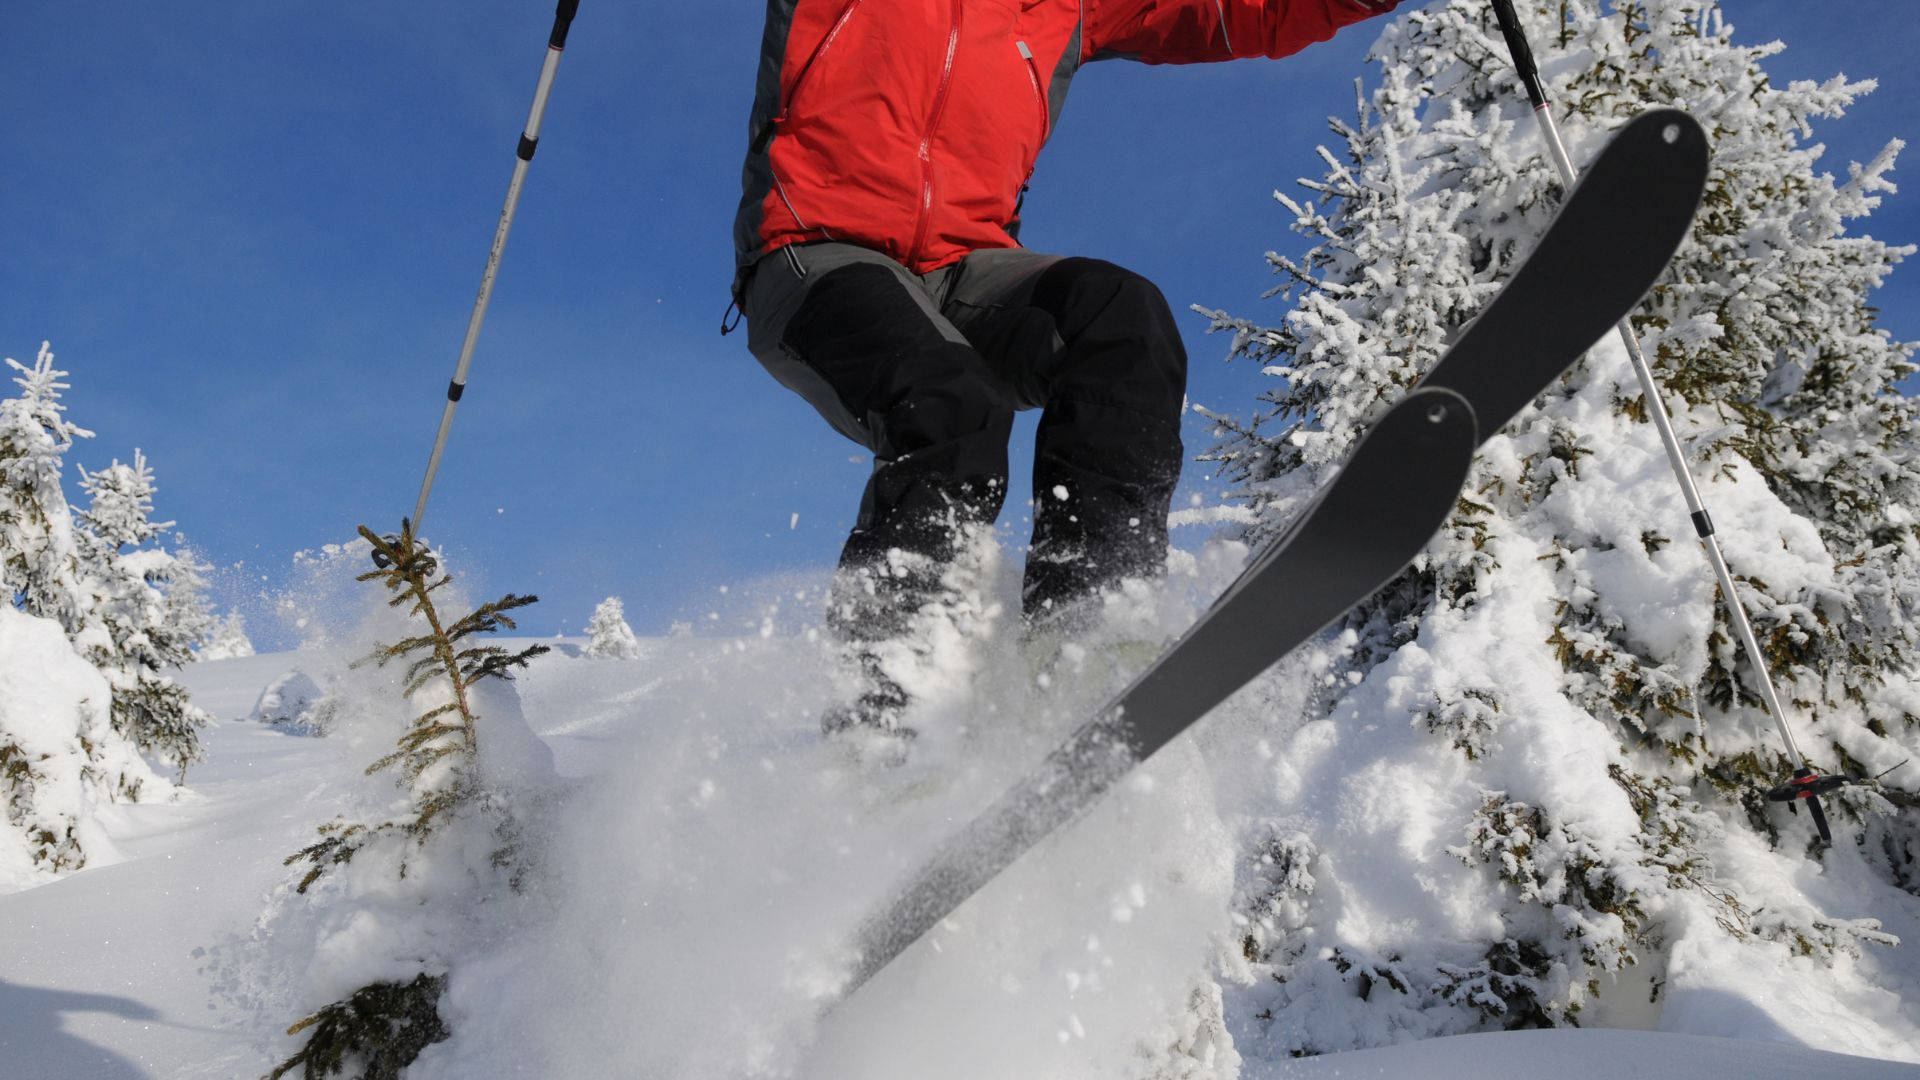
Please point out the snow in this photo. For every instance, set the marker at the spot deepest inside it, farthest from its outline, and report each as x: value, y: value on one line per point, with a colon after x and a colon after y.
x: 286, y: 702
x: 1335, y: 859
x: 107, y: 972
x: 61, y: 763
x: 1524, y: 785
x: 709, y: 855
x: 1577, y: 1054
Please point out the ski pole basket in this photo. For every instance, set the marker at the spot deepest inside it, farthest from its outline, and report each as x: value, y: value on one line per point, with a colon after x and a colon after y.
x: 1809, y: 786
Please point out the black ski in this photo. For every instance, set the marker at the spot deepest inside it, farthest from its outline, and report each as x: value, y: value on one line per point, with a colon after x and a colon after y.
x: 1610, y: 241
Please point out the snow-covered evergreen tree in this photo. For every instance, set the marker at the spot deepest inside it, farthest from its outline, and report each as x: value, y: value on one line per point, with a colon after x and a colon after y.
x: 609, y: 636
x: 1580, y: 790
x: 189, y: 614
x: 39, y: 560
x: 228, y: 639
x: 60, y: 756
x: 128, y: 583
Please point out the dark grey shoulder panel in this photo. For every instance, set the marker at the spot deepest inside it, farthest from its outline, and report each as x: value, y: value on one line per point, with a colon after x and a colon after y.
x: 756, y: 177
x: 1063, y: 73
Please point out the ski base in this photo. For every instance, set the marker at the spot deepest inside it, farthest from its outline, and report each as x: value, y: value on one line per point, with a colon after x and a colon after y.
x: 1365, y: 525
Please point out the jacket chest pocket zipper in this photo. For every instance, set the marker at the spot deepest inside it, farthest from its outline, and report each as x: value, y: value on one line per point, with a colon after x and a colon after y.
x: 819, y: 53
x: 787, y: 95
x: 1039, y: 93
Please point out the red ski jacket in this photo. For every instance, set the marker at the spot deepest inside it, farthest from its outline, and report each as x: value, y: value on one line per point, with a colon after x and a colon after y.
x: 911, y: 126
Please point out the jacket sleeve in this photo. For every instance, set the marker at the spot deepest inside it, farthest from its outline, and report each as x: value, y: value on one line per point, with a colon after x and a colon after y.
x: 1196, y: 31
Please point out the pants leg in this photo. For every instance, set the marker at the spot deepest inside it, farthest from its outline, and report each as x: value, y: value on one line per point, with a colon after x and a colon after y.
x: 857, y: 335
x: 1096, y: 348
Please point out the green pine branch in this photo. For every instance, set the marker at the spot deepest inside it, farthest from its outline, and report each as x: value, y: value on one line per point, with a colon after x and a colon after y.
x: 382, y: 1027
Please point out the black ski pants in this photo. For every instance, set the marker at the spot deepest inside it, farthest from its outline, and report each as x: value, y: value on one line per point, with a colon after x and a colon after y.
x: 927, y: 371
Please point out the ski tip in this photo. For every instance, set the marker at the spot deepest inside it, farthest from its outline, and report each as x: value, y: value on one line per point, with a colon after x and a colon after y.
x: 1675, y: 129
x: 1437, y: 417
x: 1660, y: 148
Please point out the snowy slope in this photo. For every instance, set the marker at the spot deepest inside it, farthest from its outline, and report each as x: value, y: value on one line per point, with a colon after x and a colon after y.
x: 706, y: 868
x: 105, y: 973
x: 1577, y: 1054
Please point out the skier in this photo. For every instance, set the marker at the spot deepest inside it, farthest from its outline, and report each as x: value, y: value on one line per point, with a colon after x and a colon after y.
x: 881, y: 278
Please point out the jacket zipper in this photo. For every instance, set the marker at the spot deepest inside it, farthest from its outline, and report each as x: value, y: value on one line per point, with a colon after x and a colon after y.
x: 820, y: 50
x: 926, y: 141
x: 786, y: 105
x: 1039, y: 95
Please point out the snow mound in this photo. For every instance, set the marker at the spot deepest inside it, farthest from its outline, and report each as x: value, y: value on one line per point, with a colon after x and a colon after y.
x: 58, y: 761
x: 292, y: 703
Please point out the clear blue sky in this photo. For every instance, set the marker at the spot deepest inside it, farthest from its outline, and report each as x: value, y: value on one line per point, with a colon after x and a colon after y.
x: 253, y: 233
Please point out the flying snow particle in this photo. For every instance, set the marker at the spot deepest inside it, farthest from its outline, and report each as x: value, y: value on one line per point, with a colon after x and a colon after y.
x: 793, y: 520
x: 1060, y: 492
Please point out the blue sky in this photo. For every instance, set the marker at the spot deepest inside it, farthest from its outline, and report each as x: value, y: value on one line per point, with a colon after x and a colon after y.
x: 253, y: 234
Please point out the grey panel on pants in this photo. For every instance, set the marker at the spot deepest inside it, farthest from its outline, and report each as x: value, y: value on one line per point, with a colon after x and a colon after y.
x: 984, y: 281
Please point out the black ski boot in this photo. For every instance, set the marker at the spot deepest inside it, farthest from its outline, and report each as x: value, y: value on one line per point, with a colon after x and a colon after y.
x: 871, y: 614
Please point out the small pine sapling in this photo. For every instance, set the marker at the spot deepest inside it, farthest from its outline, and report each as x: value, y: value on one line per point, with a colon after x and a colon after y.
x: 383, y: 1026
x: 406, y: 1014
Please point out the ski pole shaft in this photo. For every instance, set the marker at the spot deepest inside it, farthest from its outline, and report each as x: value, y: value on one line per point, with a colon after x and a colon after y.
x: 1523, y: 62
x: 523, y: 157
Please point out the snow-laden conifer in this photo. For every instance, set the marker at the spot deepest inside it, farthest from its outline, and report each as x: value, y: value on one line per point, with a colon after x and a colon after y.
x: 228, y: 639
x: 189, y: 611
x: 61, y: 758
x: 1530, y: 785
x: 128, y: 583
x: 609, y: 636
x: 39, y: 561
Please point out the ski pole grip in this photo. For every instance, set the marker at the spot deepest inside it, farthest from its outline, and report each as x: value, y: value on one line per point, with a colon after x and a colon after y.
x: 1521, y: 52
x: 562, y: 22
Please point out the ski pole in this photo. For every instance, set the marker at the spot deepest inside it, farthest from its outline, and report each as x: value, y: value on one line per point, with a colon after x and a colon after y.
x: 1805, y: 783
x: 529, y: 140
